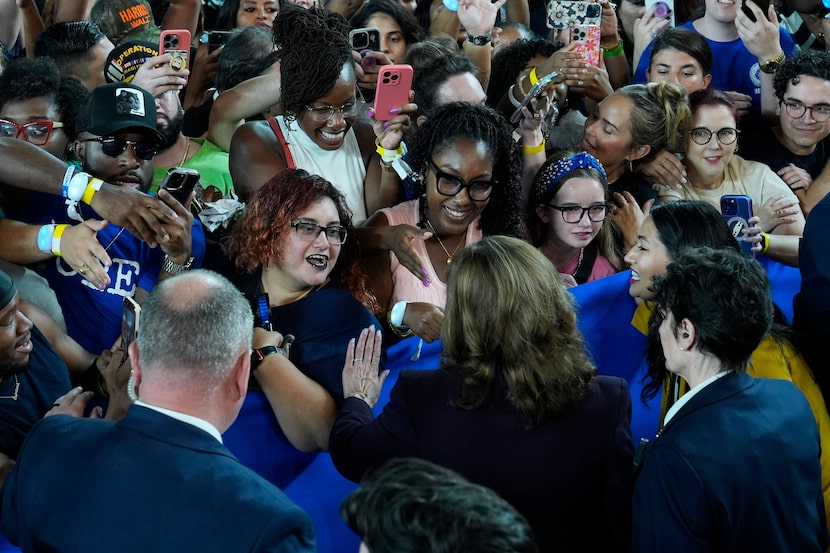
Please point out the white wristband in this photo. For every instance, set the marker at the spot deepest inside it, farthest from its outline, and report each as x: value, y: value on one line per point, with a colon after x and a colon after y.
x: 398, y: 310
x: 77, y: 186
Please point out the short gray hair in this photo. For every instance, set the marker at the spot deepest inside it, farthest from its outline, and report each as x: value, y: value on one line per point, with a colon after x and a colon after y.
x: 195, y: 321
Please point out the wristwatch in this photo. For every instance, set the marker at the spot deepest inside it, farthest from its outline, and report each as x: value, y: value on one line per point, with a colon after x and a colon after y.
x: 174, y: 268
x: 258, y: 354
x: 480, y: 40
x: 771, y: 65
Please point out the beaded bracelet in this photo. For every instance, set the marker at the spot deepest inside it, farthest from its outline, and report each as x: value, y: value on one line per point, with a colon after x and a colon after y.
x: 530, y: 150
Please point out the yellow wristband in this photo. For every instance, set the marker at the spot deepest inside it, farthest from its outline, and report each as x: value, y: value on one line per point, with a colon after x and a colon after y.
x: 56, y: 239
x: 532, y: 76
x: 388, y: 155
x: 93, y: 186
x: 530, y: 150
x: 764, y: 242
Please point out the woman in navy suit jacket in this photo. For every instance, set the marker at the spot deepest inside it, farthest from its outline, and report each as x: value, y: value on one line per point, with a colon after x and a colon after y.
x: 515, y: 405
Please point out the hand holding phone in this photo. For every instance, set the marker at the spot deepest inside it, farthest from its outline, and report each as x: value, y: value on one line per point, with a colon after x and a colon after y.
x: 394, y: 85
x: 736, y: 211
x: 365, y: 38
x: 180, y: 182
x: 130, y: 314
x: 586, y: 40
x: 176, y: 42
x: 538, y: 91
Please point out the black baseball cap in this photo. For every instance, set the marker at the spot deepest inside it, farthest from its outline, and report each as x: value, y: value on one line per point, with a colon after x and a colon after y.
x: 119, y: 107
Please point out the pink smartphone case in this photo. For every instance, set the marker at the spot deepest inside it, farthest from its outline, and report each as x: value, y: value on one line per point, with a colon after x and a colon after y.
x: 394, y: 84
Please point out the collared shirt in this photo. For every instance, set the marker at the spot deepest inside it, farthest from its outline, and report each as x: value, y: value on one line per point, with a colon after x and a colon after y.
x: 684, y: 399
x: 189, y: 419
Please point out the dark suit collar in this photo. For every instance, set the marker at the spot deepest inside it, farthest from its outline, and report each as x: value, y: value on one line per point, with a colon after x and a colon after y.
x: 159, y: 426
x: 715, y: 392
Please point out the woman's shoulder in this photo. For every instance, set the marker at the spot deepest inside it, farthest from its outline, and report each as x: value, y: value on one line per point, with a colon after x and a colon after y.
x: 403, y: 213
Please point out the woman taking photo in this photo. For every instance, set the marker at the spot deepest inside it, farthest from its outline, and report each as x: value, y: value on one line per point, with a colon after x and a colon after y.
x: 699, y: 486
x: 514, y: 386
x: 567, y: 218
x: 468, y: 171
x: 320, y: 130
x: 292, y: 244
x: 398, y: 28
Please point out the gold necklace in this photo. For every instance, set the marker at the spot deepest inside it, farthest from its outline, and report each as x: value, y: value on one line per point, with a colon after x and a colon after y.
x: 440, y: 243
x: 186, y: 150
x: 579, y: 261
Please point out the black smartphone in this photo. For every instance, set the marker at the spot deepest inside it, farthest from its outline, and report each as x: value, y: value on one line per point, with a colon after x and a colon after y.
x: 217, y: 39
x: 130, y: 312
x: 365, y: 38
x: 736, y: 211
x: 262, y: 312
x: 180, y: 182
x: 763, y: 4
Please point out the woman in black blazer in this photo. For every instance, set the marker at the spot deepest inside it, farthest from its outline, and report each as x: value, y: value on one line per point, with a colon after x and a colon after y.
x: 515, y: 405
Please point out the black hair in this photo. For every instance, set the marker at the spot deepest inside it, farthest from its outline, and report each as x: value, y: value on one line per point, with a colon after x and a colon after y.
x: 812, y: 63
x: 691, y: 224
x: 313, y: 47
x: 411, y: 30
x: 226, y: 16
x: 26, y: 78
x: 724, y: 294
x: 412, y: 505
x: 504, y: 213
x: 510, y: 61
x: 246, y: 55
x: 68, y: 43
x: 687, y: 41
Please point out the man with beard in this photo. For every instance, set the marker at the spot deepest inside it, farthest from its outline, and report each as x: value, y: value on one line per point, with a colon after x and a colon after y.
x: 117, y: 140
x: 194, y: 153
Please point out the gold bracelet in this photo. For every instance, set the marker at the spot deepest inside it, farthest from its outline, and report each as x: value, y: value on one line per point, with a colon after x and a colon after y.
x: 530, y: 150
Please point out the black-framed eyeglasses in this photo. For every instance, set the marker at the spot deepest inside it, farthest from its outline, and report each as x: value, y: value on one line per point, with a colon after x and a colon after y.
x: 114, y: 146
x: 573, y: 214
x: 324, y: 113
x: 450, y: 185
x: 796, y: 110
x: 702, y: 135
x: 36, y: 132
x: 308, y: 232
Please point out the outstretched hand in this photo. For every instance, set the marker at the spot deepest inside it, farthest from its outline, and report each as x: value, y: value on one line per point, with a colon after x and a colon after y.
x: 361, y: 378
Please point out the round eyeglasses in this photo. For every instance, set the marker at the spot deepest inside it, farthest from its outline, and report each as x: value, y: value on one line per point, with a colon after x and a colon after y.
x: 573, y: 214
x: 36, y: 132
x: 114, y: 146
x: 324, y: 113
x: 796, y: 110
x: 702, y: 135
x: 308, y: 232
x: 450, y: 185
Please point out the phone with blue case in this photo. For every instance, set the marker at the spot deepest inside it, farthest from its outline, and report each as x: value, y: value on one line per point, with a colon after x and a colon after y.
x: 736, y: 211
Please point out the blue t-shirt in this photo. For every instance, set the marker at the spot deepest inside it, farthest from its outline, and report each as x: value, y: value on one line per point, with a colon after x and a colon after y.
x: 734, y: 67
x: 93, y: 317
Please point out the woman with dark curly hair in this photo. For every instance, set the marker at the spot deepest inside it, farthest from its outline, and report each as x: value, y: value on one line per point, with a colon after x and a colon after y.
x: 292, y: 246
x: 515, y: 405
x: 398, y: 28
x: 239, y: 14
x: 320, y: 130
x: 469, y: 172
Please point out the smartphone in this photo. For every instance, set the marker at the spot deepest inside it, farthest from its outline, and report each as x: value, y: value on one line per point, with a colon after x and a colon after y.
x: 587, y: 40
x: 262, y: 312
x: 394, y: 85
x: 130, y: 314
x: 176, y: 42
x: 541, y: 88
x: 763, y: 4
x: 217, y: 39
x: 563, y: 14
x: 180, y: 182
x: 365, y: 38
x: 663, y: 9
x: 736, y: 211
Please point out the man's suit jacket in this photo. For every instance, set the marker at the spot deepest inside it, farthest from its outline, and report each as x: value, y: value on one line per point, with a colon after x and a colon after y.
x: 145, y: 483
x: 570, y: 476
x: 736, y: 469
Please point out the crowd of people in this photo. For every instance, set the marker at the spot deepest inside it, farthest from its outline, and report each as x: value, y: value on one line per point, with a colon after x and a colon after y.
x: 516, y: 308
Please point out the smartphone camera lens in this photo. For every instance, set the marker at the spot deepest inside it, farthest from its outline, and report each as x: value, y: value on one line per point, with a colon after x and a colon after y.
x: 360, y: 41
x: 593, y: 10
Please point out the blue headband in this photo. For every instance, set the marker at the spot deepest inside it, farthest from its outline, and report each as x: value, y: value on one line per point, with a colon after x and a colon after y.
x: 555, y: 172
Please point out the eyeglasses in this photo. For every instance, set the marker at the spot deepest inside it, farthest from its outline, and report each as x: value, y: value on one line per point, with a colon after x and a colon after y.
x: 819, y: 112
x: 450, y: 185
x: 36, y: 132
x: 114, y: 146
x: 308, y: 232
x: 573, y: 214
x: 702, y: 135
x: 324, y: 113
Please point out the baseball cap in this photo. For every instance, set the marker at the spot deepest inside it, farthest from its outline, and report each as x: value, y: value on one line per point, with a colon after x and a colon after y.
x: 118, y: 107
x: 125, y: 20
x: 124, y: 61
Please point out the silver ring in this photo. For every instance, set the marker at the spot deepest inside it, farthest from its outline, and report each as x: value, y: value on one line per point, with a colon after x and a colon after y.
x: 580, y: 83
x: 357, y: 360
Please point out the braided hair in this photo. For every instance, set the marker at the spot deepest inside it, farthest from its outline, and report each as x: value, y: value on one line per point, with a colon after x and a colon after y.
x: 312, y: 46
x: 504, y: 213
